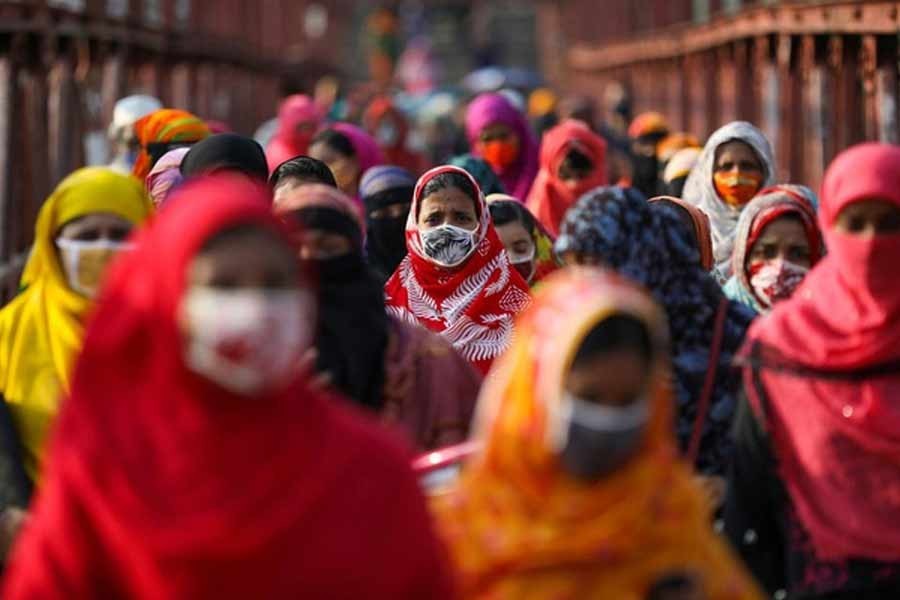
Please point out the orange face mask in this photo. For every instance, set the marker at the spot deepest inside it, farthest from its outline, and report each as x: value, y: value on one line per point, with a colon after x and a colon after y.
x: 499, y: 153
x: 736, y: 189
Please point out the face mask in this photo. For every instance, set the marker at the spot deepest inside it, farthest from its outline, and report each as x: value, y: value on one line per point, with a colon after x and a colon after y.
x: 448, y: 245
x: 523, y: 263
x: 776, y: 281
x: 85, y: 262
x: 500, y: 154
x: 736, y: 189
x: 386, y: 135
x: 340, y: 269
x: 247, y: 340
x: 866, y: 264
x: 601, y: 438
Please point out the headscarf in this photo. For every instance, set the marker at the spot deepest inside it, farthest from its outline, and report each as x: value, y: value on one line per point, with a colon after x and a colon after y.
x: 395, y: 153
x: 550, y: 197
x: 126, y: 112
x: 490, y: 109
x: 472, y: 305
x: 481, y: 171
x: 545, y: 261
x: 648, y: 124
x: 680, y: 164
x: 652, y: 247
x: 827, y: 362
x: 213, y: 496
x: 41, y: 329
x: 368, y: 154
x: 700, y: 191
x: 226, y: 152
x: 520, y: 527
x: 385, y: 237
x: 673, y: 143
x: 760, y: 212
x: 287, y: 142
x: 165, y: 176
x: 700, y: 224
x: 352, y: 332
x: 167, y: 126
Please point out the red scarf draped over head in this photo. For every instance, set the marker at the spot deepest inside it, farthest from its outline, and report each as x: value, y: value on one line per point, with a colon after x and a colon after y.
x: 162, y: 485
x: 382, y: 108
x: 474, y: 304
x: 551, y: 197
x: 827, y: 359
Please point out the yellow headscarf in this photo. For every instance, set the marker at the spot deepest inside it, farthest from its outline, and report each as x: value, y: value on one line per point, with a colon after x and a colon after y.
x: 41, y: 329
x: 520, y: 527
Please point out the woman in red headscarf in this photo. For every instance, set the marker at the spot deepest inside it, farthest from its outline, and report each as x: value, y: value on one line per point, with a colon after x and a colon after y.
x: 814, y: 503
x: 572, y: 163
x: 390, y: 129
x: 456, y: 278
x: 299, y: 119
x: 191, y: 460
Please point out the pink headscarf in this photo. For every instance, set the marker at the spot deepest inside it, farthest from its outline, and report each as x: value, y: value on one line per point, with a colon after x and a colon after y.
x: 368, y: 154
x: 288, y: 142
x: 165, y: 175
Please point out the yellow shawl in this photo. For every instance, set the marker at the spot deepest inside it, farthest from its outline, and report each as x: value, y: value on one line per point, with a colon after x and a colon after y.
x: 41, y: 329
x: 519, y: 527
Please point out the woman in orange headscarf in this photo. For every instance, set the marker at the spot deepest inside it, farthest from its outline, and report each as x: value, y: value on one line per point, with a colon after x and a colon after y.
x: 162, y: 131
x: 578, y: 491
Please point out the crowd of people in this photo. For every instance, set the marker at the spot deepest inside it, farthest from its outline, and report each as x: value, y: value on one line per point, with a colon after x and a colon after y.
x: 576, y: 359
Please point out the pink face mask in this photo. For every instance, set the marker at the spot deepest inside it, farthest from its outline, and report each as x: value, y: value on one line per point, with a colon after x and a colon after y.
x: 776, y: 281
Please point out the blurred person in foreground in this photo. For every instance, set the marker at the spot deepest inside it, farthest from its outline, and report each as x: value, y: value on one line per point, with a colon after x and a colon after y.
x: 578, y: 491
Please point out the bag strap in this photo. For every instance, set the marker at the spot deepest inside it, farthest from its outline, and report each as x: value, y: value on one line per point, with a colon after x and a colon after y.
x: 715, y: 351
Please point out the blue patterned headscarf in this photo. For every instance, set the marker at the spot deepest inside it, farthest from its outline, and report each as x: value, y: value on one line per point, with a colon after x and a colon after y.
x: 652, y: 247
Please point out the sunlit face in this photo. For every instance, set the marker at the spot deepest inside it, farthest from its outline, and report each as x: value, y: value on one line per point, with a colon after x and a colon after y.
x: 449, y: 206
x: 869, y: 218
x: 345, y: 168
x: 515, y: 238
x: 737, y: 157
x: 783, y: 239
x: 96, y: 227
x: 617, y: 378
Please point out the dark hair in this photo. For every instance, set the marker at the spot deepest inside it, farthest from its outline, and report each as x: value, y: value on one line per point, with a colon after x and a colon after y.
x: 618, y: 332
x: 508, y: 211
x: 335, y: 140
x: 577, y: 161
x: 449, y: 180
x: 398, y: 195
x: 305, y: 168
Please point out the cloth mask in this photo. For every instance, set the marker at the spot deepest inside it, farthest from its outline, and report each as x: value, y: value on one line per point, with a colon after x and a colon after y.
x: 776, y: 281
x: 85, y: 262
x: 523, y: 263
x: 867, y: 264
x: 500, y: 154
x: 448, y: 245
x: 387, y: 236
x: 601, y: 438
x: 736, y: 189
x: 248, y: 340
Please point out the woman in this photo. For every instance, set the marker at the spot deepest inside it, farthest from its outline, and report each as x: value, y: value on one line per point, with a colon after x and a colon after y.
x: 815, y: 491
x: 223, y: 475
x: 299, y: 118
x: 499, y: 133
x: 456, y: 278
x: 777, y: 243
x: 226, y: 152
x: 735, y: 165
x: 165, y: 176
x: 162, y: 131
x: 387, y: 194
x: 646, y: 132
x: 619, y: 229
x: 349, y: 152
x: 695, y: 219
x: 573, y: 161
x: 529, y: 246
x: 390, y: 128
x: 398, y: 371
x: 481, y: 171
x: 578, y: 492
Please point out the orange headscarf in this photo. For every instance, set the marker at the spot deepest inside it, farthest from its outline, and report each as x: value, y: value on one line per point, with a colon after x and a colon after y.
x: 166, y: 125
x: 520, y: 527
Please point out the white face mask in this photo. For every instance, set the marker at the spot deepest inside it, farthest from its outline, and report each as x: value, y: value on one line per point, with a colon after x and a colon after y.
x: 85, y: 263
x: 776, y: 281
x: 247, y: 340
x: 448, y: 245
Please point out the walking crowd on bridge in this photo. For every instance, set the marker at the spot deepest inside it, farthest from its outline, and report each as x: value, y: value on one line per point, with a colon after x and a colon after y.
x: 524, y: 354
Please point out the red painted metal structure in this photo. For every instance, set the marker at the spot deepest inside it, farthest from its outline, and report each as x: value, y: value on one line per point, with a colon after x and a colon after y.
x: 815, y: 76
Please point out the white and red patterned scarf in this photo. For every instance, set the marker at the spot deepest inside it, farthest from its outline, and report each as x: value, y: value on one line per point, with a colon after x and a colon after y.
x: 474, y: 304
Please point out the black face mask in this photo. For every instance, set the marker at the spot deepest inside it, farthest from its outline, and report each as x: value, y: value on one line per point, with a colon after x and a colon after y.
x: 386, y: 244
x: 340, y: 269
x: 646, y: 174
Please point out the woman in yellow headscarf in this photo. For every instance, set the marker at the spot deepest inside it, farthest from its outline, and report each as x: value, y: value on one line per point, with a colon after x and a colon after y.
x: 80, y: 228
x: 578, y: 491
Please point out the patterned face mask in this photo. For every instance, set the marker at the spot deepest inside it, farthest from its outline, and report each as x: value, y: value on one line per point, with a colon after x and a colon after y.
x: 448, y: 245
x: 737, y: 189
x: 776, y: 281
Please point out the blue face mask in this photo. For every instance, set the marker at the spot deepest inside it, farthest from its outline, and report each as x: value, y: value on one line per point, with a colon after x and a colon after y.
x: 601, y: 438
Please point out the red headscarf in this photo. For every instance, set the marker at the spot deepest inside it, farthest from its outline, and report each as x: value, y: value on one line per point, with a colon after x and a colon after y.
x: 162, y: 485
x: 474, y: 304
x: 288, y: 142
x: 827, y: 360
x: 382, y: 108
x: 550, y: 197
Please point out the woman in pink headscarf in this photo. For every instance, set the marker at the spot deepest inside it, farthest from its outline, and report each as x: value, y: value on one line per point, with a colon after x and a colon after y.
x: 499, y: 133
x: 298, y: 120
x: 349, y: 152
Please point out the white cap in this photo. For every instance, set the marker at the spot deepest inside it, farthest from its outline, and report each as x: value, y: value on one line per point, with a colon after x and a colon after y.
x: 131, y: 108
